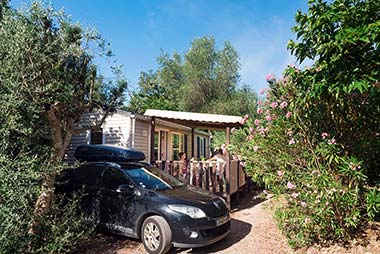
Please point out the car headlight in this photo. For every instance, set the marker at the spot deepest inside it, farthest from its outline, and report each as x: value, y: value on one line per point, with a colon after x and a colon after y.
x: 193, y: 212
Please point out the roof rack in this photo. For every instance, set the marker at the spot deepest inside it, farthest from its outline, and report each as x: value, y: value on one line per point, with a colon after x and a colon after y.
x: 108, y: 153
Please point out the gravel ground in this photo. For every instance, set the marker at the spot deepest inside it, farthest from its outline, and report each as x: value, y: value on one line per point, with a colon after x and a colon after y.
x: 253, y: 230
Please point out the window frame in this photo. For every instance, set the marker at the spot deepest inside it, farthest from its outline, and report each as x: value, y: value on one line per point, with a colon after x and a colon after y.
x: 180, y: 144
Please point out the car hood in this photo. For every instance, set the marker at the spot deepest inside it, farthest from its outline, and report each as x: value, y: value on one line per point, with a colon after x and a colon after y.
x: 208, y: 202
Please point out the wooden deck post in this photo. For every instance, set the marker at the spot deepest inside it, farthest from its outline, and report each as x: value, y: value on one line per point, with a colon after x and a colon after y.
x: 228, y: 166
x: 192, y: 143
x: 152, y: 133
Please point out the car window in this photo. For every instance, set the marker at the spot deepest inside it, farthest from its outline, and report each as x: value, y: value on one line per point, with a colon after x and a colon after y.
x: 113, y: 178
x: 152, y: 178
x: 87, y: 175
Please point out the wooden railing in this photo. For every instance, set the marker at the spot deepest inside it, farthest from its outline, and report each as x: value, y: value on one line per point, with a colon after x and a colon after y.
x: 208, y: 175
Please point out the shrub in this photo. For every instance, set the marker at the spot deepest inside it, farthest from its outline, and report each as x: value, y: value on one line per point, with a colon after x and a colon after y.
x: 324, y: 187
x: 61, y: 229
x: 317, y: 140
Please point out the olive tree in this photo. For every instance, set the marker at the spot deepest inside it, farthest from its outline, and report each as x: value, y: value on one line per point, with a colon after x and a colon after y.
x: 48, y: 79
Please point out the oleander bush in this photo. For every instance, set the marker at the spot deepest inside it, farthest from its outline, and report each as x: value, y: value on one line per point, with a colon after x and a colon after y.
x: 316, y: 140
x: 325, y: 187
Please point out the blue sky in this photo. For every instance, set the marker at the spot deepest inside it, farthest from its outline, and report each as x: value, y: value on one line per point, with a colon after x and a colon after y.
x: 139, y: 30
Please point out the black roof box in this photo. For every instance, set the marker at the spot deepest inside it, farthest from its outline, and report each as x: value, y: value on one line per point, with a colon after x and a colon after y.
x: 107, y: 153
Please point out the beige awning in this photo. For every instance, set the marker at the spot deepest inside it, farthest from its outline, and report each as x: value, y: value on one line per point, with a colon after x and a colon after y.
x: 196, y: 120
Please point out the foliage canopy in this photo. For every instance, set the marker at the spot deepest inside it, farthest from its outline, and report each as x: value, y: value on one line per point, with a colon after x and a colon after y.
x: 204, y: 79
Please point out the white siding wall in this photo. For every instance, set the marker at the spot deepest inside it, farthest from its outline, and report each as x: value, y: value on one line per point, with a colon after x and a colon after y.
x: 81, y: 138
x: 117, y: 129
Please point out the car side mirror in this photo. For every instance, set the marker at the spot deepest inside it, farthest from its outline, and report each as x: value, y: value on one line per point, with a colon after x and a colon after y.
x: 126, y: 189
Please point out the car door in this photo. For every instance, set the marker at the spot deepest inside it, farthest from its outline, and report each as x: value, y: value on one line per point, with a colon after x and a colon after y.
x: 86, y: 180
x: 116, y: 207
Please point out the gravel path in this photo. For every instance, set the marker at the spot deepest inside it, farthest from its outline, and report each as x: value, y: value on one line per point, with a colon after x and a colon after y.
x: 253, y: 230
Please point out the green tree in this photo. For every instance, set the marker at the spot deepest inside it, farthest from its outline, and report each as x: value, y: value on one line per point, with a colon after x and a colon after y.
x: 47, y: 81
x: 210, y: 75
x: 205, y: 79
x: 4, y: 5
x: 159, y: 89
x: 150, y: 95
x: 343, y: 38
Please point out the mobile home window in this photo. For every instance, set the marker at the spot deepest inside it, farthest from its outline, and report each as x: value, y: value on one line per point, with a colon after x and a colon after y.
x: 201, y: 149
x: 177, y: 145
x: 156, y: 145
x: 96, y: 137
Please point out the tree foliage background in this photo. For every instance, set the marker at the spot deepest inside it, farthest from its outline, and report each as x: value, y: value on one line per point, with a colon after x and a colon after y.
x: 47, y: 80
x: 204, y: 79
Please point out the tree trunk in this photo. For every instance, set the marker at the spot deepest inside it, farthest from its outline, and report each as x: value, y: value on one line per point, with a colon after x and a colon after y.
x: 61, y: 142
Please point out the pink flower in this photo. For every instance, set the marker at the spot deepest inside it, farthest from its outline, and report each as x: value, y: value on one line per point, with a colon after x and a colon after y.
x: 250, y: 137
x: 262, y: 91
x: 268, y: 118
x: 289, y: 114
x: 233, y: 129
x: 325, y: 135
x: 292, y: 141
x: 331, y: 142
x: 259, y: 110
x: 303, y: 204
x: 255, y: 148
x: 257, y: 122
x: 243, y: 121
x: 274, y: 104
x: 270, y: 78
x: 295, y: 194
x: 307, y: 220
x: 259, y: 102
x: 251, y: 130
x: 280, y: 173
x: 262, y: 130
x: 290, y: 186
x: 283, y: 104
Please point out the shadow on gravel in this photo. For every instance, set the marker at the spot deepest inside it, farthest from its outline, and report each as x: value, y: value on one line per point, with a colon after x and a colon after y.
x: 239, y: 230
x: 107, y: 244
x: 246, y: 200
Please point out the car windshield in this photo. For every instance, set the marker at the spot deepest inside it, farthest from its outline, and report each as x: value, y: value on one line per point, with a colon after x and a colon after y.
x: 152, y: 178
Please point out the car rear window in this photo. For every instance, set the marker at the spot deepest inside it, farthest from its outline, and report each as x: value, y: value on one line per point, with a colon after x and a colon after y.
x: 87, y: 174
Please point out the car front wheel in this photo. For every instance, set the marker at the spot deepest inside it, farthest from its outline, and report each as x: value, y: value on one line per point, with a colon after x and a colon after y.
x: 156, y: 235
